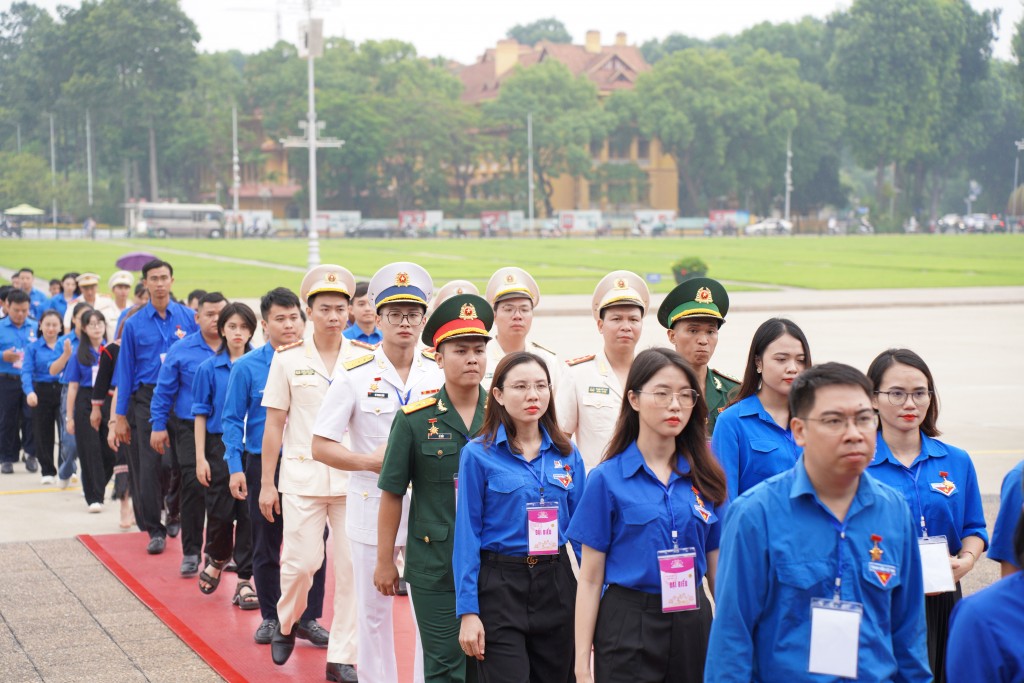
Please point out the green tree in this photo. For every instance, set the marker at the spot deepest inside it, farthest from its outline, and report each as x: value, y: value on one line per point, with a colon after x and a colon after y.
x: 566, y: 119
x: 808, y: 41
x: 543, y: 29
x: 24, y: 178
x: 655, y: 50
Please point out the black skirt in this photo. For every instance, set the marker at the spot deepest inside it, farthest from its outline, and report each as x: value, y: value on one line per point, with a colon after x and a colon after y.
x: 937, y: 609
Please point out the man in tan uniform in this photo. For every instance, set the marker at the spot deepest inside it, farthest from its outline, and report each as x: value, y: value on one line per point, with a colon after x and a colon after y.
x: 590, y: 398
x: 312, y: 494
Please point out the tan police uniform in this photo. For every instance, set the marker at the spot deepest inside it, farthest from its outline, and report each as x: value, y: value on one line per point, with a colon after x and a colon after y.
x: 312, y: 494
x: 363, y: 400
x: 590, y: 398
x: 103, y: 304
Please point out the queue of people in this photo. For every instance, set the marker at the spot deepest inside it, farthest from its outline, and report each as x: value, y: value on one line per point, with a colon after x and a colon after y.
x: 553, y: 520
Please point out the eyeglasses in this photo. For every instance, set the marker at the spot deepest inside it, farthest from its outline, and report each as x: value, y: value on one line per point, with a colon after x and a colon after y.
x: 836, y: 424
x: 396, y: 317
x: 96, y: 323
x: 898, y: 397
x: 663, y: 399
x: 522, y: 388
x: 512, y: 309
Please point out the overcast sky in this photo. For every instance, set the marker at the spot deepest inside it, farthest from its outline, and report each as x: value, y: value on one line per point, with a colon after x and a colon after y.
x: 463, y: 29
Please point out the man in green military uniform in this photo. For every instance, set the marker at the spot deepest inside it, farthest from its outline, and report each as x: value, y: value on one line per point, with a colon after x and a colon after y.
x: 423, y: 448
x: 692, y: 313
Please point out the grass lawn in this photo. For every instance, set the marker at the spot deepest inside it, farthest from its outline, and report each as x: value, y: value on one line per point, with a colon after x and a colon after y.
x: 564, y: 266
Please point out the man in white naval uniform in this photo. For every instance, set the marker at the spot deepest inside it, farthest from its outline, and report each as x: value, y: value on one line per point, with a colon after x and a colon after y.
x: 513, y: 294
x: 311, y: 494
x: 363, y: 399
x: 590, y: 397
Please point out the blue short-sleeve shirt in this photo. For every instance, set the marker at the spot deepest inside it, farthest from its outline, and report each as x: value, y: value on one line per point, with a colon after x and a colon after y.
x: 1001, y: 548
x: 751, y: 446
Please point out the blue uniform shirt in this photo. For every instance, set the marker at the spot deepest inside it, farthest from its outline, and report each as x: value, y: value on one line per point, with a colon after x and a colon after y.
x: 627, y: 514
x: 780, y: 548
x: 244, y: 415
x: 495, y: 485
x: 146, y: 337
x: 1001, y: 548
x: 58, y: 303
x: 76, y: 372
x: 957, y: 515
x: 19, y: 338
x: 74, y: 349
x: 38, y: 302
x: 209, y: 389
x: 985, y: 635
x: 36, y: 366
x: 355, y: 332
x: 174, y: 383
x: 751, y: 446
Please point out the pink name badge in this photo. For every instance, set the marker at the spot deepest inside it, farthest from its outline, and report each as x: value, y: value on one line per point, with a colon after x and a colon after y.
x: 678, y: 580
x: 542, y: 528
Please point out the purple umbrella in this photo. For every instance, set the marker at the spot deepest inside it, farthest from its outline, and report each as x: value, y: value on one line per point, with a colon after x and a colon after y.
x: 134, y: 260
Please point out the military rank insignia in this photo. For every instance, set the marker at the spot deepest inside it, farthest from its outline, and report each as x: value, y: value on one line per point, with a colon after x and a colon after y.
x: 945, y: 487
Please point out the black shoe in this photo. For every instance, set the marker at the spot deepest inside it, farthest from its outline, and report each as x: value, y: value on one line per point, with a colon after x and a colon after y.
x: 174, y: 527
x: 7, y: 468
x: 281, y: 645
x: 231, y: 567
x: 156, y: 545
x: 265, y: 633
x: 312, y: 631
x: 31, y: 464
x: 190, y: 567
x: 341, y: 673
x: 403, y: 588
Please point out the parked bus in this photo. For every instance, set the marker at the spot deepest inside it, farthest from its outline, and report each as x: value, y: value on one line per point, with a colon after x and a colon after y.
x: 153, y: 219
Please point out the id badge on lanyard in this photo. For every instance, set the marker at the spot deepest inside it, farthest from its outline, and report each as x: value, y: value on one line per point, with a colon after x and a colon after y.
x: 835, y: 637
x: 935, y: 566
x: 542, y: 528
x: 677, y: 567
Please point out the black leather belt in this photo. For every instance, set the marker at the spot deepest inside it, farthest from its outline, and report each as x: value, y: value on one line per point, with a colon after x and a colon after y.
x: 530, y: 560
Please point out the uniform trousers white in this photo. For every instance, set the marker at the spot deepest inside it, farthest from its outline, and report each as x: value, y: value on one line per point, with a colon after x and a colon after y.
x: 376, y: 622
x: 302, y: 553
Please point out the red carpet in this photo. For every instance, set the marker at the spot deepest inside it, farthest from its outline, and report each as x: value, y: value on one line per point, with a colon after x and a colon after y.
x: 218, y: 631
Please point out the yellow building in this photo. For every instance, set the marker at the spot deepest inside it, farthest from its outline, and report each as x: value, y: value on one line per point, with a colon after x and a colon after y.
x: 611, y: 68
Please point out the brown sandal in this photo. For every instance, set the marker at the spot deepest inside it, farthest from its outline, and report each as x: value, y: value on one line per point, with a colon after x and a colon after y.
x: 248, y: 601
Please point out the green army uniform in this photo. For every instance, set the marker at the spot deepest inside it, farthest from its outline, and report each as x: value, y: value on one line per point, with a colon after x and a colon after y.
x: 423, y: 449
x: 718, y: 391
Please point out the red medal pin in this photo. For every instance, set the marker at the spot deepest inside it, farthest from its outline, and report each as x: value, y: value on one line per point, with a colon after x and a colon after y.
x: 945, y: 487
x: 876, y: 552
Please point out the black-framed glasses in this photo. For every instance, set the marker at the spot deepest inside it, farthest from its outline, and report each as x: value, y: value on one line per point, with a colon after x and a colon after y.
x: 396, y: 317
x: 898, y: 397
x: 836, y: 424
x: 663, y: 399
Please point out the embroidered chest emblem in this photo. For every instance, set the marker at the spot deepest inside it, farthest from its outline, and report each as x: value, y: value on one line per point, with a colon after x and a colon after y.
x: 945, y: 487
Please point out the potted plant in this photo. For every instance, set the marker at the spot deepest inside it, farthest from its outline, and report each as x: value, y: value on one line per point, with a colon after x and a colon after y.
x: 688, y: 266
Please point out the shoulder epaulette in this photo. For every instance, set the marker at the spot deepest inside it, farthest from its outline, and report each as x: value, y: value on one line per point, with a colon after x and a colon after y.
x: 581, y: 359
x: 356, y: 362
x: 725, y: 376
x: 285, y: 347
x: 364, y: 345
x: 543, y: 348
x: 419, y: 405
x: 429, y: 353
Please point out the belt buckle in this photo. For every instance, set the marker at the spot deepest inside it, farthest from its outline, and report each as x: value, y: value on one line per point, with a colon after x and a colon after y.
x: 531, y: 560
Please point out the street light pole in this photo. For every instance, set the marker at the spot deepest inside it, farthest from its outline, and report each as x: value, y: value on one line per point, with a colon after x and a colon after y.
x: 88, y: 154
x: 1016, y: 167
x: 529, y: 167
x: 789, y: 170
x: 236, y: 180
x: 53, y: 172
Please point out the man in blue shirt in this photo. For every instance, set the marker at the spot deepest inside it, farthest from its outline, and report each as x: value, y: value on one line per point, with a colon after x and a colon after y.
x: 145, y: 340
x: 174, y: 389
x: 38, y: 300
x: 819, y: 571
x: 16, y: 333
x: 1001, y: 548
x: 363, y: 327
x: 243, y: 420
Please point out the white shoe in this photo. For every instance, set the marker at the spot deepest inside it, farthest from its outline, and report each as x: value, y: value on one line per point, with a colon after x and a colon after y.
x: 74, y: 477
x: 95, y: 507
x: 46, y: 480
x: 63, y: 483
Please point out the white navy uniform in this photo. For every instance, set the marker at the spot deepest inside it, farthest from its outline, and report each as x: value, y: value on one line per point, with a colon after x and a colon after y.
x: 588, y: 404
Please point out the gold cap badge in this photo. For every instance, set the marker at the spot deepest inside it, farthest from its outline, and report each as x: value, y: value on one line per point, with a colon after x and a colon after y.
x: 704, y: 296
x: 468, y: 312
x: 402, y: 280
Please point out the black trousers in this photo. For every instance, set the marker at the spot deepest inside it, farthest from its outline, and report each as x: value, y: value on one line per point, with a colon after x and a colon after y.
x: 145, y: 467
x: 266, y: 549
x: 527, y: 612
x: 95, y: 458
x: 12, y: 407
x: 191, y: 495
x: 228, y: 532
x: 635, y: 642
x: 937, y: 610
x: 45, y: 417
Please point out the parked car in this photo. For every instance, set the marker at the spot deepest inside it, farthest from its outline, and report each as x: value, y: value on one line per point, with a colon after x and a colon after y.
x: 951, y: 222
x: 983, y: 222
x: 379, y: 228
x: 770, y: 226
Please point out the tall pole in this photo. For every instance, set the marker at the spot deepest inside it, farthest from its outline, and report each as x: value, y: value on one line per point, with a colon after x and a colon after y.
x: 19, y: 137
x: 236, y: 181
x: 314, y: 236
x: 1013, y: 196
x: 529, y: 166
x: 53, y: 172
x: 789, y: 171
x: 88, y: 154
